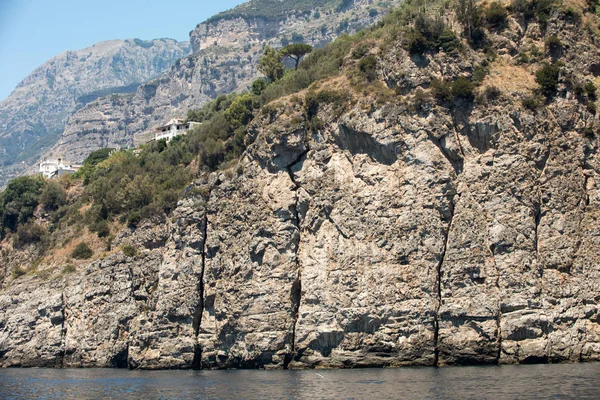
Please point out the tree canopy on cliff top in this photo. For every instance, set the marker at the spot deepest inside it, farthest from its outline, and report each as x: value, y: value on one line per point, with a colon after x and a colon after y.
x: 274, y: 9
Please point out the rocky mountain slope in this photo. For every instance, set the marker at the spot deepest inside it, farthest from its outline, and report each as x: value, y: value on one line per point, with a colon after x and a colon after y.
x: 424, y: 206
x: 226, y: 49
x: 34, y: 115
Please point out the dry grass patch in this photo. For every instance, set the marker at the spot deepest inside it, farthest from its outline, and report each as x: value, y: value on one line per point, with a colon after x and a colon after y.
x: 509, y: 78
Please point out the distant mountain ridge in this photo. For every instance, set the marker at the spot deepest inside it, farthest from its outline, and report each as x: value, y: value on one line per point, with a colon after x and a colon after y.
x: 32, y: 117
x: 226, y: 51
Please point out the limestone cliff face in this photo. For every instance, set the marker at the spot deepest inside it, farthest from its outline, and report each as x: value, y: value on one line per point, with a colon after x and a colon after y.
x: 385, y: 236
x: 34, y: 115
x: 226, y: 53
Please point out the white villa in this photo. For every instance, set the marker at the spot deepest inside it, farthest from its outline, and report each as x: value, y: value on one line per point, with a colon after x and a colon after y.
x: 57, y: 167
x: 174, y: 127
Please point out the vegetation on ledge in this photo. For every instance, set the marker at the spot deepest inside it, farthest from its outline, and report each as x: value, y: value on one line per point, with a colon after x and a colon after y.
x: 122, y: 188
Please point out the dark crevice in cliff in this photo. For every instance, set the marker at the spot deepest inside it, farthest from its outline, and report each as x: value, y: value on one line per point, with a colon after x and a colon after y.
x: 359, y: 142
x: 541, y: 164
x: 63, y: 330
x: 456, y: 131
x: 499, y: 315
x: 295, y: 297
x: 327, y: 212
x: 436, y: 322
x: 456, y: 162
x: 298, y: 160
x: 296, y: 289
x: 537, y: 217
x: 197, y: 320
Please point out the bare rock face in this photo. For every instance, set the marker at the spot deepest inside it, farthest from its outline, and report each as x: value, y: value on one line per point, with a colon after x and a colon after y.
x: 34, y: 115
x: 227, y: 49
x: 388, y: 236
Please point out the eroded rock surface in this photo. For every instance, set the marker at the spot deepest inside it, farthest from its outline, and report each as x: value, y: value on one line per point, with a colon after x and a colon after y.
x: 383, y: 236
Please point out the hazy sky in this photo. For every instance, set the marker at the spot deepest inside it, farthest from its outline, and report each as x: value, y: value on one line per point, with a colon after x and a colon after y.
x: 32, y: 31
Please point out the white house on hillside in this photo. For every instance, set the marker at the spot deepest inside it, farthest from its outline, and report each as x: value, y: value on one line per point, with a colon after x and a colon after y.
x: 57, y: 167
x: 174, y: 127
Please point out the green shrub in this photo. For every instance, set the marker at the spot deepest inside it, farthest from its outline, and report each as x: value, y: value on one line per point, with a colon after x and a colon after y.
x: 90, y: 163
x: 496, y: 14
x: 319, y: 64
x: 314, y: 100
x: 18, y: 272
x: 53, y: 196
x: 361, y: 50
x: 430, y: 34
x: 547, y: 78
x: 542, y: 10
x: 316, y: 124
x: 421, y: 99
x: 18, y: 202
x: 101, y: 228
x: 469, y: 14
x: 137, y: 186
x: 524, y: 7
x: 463, y: 88
x: 258, y: 86
x: 590, y: 89
x: 368, y: 67
x: 479, y: 74
x: 69, y: 269
x: 270, y: 64
x: 553, y: 44
x: 533, y: 102
x: 442, y: 90
x: 240, y: 111
x: 491, y: 93
x: 448, y: 41
x: 430, y: 28
x: 416, y: 43
x: 28, y: 233
x: 343, y: 26
x: 82, y: 252
x: 129, y: 250
x: 523, y: 58
x: 591, y: 107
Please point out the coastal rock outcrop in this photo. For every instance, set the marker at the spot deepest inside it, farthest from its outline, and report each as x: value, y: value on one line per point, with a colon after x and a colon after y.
x: 373, y: 231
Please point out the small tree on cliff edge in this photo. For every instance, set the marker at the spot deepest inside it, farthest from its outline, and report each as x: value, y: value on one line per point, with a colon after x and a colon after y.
x: 270, y: 65
x: 296, y: 51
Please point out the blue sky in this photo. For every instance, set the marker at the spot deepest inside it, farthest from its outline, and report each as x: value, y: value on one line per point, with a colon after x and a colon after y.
x: 32, y: 31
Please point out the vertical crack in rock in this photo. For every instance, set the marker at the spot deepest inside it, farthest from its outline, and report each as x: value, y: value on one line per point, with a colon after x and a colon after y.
x: 327, y: 214
x: 537, y: 218
x: 499, y: 315
x: 457, y: 137
x: 295, y: 298
x: 296, y: 161
x: 296, y: 290
x: 541, y: 165
x: 436, y: 320
x: 456, y: 162
x: 537, y: 210
x: 63, y: 330
x: 197, y: 321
